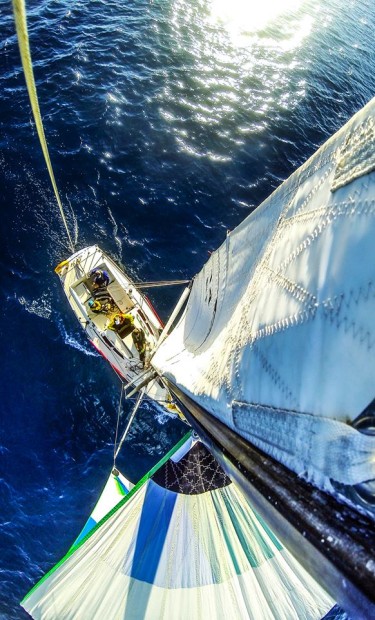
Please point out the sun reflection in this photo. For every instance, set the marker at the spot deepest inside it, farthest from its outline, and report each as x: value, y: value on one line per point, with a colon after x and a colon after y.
x: 242, y: 18
x: 243, y: 64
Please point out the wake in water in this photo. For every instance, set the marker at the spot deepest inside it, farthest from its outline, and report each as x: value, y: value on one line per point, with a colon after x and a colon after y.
x: 41, y: 307
x: 71, y: 341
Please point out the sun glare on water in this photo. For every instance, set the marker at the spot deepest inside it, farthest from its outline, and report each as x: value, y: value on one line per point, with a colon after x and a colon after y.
x: 243, y: 66
x: 242, y: 18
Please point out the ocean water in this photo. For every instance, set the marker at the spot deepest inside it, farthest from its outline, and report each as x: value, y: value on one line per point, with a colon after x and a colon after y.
x: 167, y: 122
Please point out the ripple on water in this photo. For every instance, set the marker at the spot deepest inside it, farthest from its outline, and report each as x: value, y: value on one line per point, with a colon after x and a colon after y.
x: 234, y: 68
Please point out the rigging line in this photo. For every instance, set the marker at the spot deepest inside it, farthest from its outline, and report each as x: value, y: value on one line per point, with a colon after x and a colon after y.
x: 161, y: 283
x: 118, y: 422
x: 135, y: 409
x: 75, y: 222
x: 24, y: 47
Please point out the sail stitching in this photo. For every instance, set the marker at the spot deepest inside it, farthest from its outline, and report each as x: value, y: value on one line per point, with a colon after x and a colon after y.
x: 300, y: 180
x: 296, y: 290
x: 330, y: 308
x: 309, y: 197
x: 365, y: 207
x: 275, y: 376
x: 364, y: 292
x: 357, y: 156
x: 299, y: 437
x: 309, y: 311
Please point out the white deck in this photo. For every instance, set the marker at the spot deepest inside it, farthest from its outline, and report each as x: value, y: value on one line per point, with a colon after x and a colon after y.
x: 121, y: 353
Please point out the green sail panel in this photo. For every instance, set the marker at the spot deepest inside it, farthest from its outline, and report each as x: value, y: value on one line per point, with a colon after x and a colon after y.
x: 183, y: 543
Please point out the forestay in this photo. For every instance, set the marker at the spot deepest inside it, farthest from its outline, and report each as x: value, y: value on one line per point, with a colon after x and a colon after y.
x: 277, y: 339
x: 183, y: 543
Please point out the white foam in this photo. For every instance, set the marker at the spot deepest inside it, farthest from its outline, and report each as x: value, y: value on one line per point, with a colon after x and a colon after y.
x: 72, y: 342
x: 41, y: 306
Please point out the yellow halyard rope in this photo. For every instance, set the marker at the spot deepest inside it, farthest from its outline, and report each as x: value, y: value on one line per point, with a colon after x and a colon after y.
x: 23, y: 42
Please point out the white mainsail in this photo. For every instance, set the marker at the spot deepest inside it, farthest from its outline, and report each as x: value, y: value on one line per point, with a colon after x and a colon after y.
x: 277, y: 339
x: 183, y: 543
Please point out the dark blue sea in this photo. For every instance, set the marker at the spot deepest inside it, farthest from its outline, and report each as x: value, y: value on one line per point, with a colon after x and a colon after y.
x: 167, y: 123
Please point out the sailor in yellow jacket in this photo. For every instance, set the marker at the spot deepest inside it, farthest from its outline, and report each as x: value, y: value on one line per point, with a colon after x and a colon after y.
x: 120, y: 321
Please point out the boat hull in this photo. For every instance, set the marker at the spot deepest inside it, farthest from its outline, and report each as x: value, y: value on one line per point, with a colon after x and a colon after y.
x: 122, y: 299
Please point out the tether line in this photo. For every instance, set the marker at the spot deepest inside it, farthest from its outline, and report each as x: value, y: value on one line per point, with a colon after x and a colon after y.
x: 19, y: 10
x: 131, y: 418
x: 118, y: 422
x: 160, y: 283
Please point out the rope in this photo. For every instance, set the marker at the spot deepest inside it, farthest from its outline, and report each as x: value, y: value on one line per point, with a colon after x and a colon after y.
x: 118, y: 422
x: 161, y: 283
x: 135, y: 409
x: 23, y: 42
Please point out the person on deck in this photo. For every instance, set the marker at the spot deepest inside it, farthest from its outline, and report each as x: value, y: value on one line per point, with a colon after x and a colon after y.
x: 96, y: 306
x: 99, y: 277
x: 139, y: 340
x: 121, y: 323
x: 105, y: 306
x: 101, y: 294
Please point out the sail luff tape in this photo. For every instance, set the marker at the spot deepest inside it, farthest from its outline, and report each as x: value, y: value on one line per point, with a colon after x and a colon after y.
x: 19, y: 10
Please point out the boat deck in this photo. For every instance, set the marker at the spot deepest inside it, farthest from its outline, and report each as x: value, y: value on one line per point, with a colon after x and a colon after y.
x: 121, y: 302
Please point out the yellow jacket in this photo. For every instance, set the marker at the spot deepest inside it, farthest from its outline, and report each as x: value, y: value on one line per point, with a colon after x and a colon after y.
x: 119, y: 320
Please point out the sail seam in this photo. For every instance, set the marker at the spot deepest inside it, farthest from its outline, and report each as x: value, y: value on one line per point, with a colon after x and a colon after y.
x: 364, y: 207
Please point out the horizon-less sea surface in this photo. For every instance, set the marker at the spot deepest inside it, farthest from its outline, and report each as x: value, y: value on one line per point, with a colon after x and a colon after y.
x: 168, y: 122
